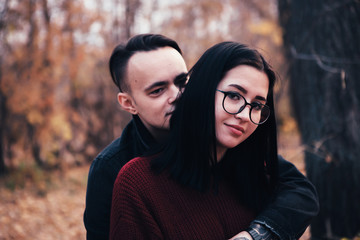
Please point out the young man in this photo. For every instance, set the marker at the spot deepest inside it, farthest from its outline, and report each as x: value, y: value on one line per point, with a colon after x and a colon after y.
x: 150, y: 73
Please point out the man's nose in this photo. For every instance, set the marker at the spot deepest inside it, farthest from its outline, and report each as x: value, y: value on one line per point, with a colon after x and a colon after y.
x: 174, y: 93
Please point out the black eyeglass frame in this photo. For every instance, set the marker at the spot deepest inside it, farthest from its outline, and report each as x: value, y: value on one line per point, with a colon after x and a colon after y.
x: 226, y: 93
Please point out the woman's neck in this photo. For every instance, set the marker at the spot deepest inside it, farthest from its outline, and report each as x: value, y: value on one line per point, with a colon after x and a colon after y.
x: 220, y: 152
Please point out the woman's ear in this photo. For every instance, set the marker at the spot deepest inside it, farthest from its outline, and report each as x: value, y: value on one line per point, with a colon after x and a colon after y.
x: 127, y: 103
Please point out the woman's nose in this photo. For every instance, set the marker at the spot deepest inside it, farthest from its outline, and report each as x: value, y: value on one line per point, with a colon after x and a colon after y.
x: 244, y: 114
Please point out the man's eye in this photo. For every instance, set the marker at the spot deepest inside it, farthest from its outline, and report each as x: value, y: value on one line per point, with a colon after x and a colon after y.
x: 156, y: 91
x: 181, y: 83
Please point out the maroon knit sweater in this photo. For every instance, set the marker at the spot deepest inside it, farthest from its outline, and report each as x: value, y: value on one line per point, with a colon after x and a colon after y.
x: 150, y: 206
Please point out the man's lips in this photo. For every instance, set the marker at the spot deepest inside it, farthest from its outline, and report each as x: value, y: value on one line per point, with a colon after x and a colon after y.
x: 170, y: 111
x: 236, y: 129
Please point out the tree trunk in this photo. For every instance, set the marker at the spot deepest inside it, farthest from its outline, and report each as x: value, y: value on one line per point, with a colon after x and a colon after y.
x: 131, y: 7
x: 2, y: 95
x: 321, y: 39
x: 2, y: 125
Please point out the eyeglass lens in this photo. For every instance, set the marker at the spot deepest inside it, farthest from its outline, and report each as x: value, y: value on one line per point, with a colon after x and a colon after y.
x: 259, y: 113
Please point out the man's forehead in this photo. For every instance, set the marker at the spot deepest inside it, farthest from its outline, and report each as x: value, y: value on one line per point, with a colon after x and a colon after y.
x: 155, y: 55
x: 161, y: 65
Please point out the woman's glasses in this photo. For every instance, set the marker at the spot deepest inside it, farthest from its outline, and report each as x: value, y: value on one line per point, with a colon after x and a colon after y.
x: 233, y: 103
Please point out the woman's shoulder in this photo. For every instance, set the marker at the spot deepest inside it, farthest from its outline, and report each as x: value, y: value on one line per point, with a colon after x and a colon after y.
x: 137, y: 163
x: 137, y: 178
x: 136, y: 166
x: 136, y: 172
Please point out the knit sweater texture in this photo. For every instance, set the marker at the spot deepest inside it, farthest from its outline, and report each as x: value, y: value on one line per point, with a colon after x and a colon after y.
x: 146, y: 205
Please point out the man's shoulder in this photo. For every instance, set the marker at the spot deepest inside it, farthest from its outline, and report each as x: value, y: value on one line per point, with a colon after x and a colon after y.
x: 110, y: 152
x: 285, y: 165
x: 121, y: 145
x: 115, y: 155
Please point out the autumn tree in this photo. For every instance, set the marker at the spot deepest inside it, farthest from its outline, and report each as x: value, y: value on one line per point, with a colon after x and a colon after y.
x: 38, y: 75
x: 58, y: 102
x: 322, y: 45
x: 203, y: 23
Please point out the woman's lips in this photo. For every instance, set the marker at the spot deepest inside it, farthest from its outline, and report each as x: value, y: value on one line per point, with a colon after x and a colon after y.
x: 235, y: 129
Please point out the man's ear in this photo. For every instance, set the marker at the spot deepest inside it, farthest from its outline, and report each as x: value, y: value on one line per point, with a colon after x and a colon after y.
x: 127, y: 103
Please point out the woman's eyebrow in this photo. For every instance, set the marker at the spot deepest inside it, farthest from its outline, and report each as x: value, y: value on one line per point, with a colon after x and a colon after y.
x: 240, y: 88
x: 244, y: 91
x: 261, y: 98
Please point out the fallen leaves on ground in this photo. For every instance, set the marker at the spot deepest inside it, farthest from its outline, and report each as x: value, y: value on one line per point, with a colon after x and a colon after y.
x: 55, y: 214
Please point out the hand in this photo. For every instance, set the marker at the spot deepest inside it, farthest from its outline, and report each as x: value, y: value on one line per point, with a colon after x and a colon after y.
x: 242, y: 236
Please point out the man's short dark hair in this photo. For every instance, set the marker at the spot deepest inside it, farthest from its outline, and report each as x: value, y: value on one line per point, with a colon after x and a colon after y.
x: 140, y: 43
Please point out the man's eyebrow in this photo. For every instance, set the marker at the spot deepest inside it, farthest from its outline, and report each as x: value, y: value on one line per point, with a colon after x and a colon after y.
x: 244, y: 91
x: 156, y: 84
x: 179, y: 78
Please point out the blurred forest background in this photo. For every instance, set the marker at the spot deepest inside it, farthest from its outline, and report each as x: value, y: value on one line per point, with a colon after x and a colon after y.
x: 58, y: 105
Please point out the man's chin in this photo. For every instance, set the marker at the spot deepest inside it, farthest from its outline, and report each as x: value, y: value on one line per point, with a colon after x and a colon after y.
x: 166, y: 126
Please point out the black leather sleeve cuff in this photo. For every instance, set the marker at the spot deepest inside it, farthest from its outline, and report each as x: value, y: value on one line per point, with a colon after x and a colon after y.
x: 259, y: 232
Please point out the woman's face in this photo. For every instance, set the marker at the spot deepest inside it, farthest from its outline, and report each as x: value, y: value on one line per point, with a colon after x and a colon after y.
x: 231, y: 130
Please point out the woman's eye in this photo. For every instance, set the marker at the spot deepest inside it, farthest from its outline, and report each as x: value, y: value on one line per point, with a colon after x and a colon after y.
x: 257, y: 106
x: 234, y: 96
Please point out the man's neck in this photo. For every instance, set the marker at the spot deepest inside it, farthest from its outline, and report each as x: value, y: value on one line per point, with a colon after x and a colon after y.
x: 160, y: 135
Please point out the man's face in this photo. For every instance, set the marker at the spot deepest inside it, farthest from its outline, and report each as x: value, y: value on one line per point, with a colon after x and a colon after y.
x: 154, y: 78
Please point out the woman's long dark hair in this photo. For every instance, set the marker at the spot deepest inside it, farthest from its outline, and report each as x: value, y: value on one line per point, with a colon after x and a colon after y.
x: 190, y: 153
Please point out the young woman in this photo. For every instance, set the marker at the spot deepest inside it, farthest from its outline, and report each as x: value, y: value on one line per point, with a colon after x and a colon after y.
x: 219, y: 166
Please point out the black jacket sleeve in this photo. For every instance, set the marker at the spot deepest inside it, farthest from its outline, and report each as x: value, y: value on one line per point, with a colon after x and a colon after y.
x: 98, y: 200
x: 294, y: 204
